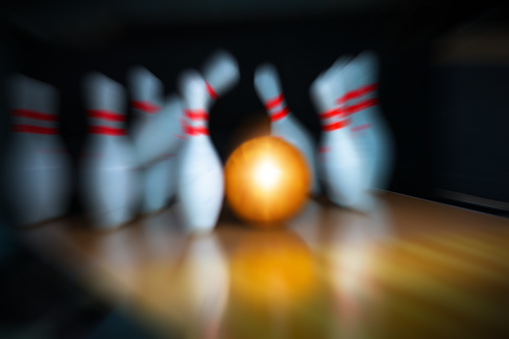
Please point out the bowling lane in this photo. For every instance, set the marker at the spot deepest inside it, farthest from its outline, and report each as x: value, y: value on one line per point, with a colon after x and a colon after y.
x: 410, y: 267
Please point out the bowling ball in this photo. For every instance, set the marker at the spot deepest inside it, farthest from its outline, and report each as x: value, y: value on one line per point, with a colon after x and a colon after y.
x: 266, y: 181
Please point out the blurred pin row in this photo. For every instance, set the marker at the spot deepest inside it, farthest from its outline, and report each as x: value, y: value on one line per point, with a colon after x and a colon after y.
x: 168, y: 153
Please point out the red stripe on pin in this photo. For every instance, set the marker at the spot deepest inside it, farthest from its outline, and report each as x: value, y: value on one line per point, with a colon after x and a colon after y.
x: 329, y: 114
x: 198, y: 114
x: 105, y: 114
x: 106, y: 130
x: 194, y: 131
x: 273, y: 103
x: 145, y: 106
x: 361, y: 91
x: 362, y: 106
x: 335, y: 125
x: 360, y: 127
x: 26, y: 113
x: 323, y: 149
x: 34, y: 129
x: 213, y: 95
x: 332, y: 113
x: 280, y: 114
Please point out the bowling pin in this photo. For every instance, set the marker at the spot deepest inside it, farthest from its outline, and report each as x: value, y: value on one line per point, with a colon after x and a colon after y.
x: 283, y: 123
x: 163, y: 133
x: 370, y: 131
x: 109, y: 187
x: 221, y: 74
x: 341, y: 165
x: 162, y: 138
x: 200, y: 185
x: 147, y: 101
x: 37, y: 167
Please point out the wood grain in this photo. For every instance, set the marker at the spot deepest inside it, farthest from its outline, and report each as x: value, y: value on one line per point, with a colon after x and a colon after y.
x: 411, y: 268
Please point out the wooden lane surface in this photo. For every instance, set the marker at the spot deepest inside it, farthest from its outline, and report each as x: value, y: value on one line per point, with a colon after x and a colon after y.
x: 412, y: 268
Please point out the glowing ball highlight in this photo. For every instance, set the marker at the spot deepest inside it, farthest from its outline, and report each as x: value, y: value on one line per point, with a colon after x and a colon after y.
x: 266, y: 180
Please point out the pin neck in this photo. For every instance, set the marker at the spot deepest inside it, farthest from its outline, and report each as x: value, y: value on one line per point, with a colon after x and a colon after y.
x: 359, y: 99
x: 26, y: 113
x: 195, y: 122
x: 106, y: 130
x: 334, y: 112
x: 212, y: 93
x: 21, y: 128
x: 106, y: 122
x: 362, y: 105
x: 196, y: 114
x: 30, y: 122
x: 146, y: 106
x: 105, y: 115
x: 277, y: 108
x: 333, y: 119
x: 335, y: 125
x: 195, y: 130
x: 362, y: 127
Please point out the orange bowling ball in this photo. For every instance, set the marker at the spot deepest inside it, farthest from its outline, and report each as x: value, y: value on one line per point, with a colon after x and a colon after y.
x: 267, y: 180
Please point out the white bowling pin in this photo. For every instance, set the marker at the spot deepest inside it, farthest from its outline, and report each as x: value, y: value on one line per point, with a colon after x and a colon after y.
x: 221, y: 73
x: 162, y: 139
x: 163, y: 133
x: 200, y: 183
x: 147, y: 101
x: 171, y: 119
x: 368, y: 127
x: 37, y: 168
x: 341, y: 165
x: 109, y: 187
x: 283, y: 123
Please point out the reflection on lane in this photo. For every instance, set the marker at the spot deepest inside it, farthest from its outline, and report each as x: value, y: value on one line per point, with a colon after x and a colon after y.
x: 273, y: 267
x: 274, y: 287
x: 188, y: 293
x: 209, y: 283
x: 307, y: 224
x: 331, y: 273
x: 350, y: 255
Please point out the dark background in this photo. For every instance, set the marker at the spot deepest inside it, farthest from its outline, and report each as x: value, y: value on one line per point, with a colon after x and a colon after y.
x: 58, y: 42
x: 449, y: 119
